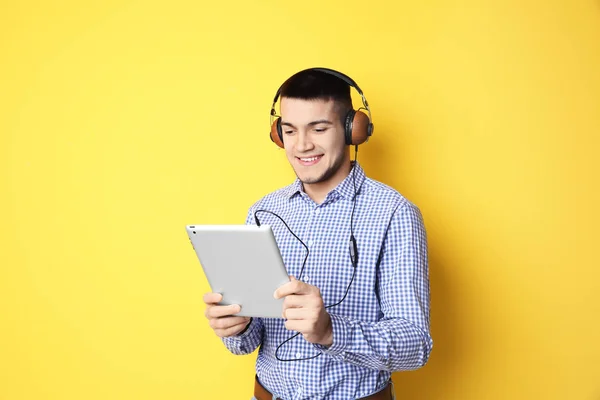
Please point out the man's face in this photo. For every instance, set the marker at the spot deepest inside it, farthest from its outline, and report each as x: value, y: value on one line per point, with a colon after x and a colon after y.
x: 314, y: 139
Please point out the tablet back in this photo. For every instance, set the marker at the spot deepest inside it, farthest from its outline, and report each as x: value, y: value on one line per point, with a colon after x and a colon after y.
x: 243, y: 263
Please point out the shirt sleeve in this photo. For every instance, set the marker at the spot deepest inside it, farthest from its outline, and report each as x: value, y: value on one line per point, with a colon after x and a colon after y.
x: 248, y: 340
x: 400, y: 340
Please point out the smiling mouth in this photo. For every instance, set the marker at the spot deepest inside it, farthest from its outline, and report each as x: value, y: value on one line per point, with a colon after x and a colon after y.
x: 306, y: 161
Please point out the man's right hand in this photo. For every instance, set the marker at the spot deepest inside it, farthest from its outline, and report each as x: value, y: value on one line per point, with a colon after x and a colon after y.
x: 221, y: 318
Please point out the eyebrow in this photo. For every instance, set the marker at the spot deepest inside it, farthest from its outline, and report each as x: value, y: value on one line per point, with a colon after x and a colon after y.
x: 312, y: 123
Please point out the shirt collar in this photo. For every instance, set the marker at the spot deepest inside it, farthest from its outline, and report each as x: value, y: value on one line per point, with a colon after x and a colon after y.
x: 293, y: 189
x: 344, y: 189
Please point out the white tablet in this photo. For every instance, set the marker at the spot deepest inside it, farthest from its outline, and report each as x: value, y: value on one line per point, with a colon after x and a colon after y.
x: 243, y: 263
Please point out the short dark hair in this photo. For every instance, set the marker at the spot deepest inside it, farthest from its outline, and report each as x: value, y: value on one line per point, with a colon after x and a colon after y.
x: 318, y: 85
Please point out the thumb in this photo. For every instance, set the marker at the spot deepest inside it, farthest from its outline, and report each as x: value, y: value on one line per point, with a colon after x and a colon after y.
x: 292, y: 278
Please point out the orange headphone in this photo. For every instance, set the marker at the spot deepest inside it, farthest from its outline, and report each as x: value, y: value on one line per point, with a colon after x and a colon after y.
x: 358, y: 126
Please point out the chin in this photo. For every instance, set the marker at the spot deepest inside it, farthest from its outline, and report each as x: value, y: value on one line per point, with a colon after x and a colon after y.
x: 311, y: 178
x: 304, y: 177
x: 309, y: 181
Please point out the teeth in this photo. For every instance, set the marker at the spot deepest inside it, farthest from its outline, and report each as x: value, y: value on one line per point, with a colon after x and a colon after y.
x: 309, y: 159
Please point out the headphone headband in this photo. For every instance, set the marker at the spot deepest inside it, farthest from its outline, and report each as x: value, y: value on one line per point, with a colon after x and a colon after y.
x: 338, y: 75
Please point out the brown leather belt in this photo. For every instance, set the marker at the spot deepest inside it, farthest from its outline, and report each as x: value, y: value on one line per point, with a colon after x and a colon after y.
x: 263, y: 394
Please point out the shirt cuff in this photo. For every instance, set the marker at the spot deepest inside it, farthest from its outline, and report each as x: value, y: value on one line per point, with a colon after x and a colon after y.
x: 235, y: 343
x: 248, y: 330
x: 340, y: 338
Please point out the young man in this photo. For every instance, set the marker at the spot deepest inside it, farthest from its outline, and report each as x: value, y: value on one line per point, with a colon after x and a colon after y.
x: 352, y: 315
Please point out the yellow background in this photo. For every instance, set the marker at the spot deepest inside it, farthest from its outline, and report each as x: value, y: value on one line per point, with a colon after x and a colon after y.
x: 120, y: 122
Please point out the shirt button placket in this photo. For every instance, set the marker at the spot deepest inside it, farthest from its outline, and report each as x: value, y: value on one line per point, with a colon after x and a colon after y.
x: 313, y: 226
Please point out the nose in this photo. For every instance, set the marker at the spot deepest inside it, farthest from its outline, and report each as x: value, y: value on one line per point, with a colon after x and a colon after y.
x: 304, y: 142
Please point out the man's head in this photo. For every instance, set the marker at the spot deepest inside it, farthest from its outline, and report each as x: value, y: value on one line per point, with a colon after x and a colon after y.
x: 314, y: 105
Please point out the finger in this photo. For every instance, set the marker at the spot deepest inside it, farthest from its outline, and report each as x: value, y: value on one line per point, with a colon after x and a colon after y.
x: 283, y: 290
x: 222, y: 311
x: 227, y: 322
x: 298, y: 326
x: 292, y: 287
x: 233, y: 330
x: 299, y: 314
x: 212, y: 298
x: 296, y: 301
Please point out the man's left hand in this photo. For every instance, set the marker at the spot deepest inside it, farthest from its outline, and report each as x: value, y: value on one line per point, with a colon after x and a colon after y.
x: 305, y: 312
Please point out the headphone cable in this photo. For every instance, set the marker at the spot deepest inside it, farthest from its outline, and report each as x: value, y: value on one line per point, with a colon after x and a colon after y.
x: 353, y: 255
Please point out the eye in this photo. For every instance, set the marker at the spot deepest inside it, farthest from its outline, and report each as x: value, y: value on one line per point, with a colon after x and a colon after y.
x: 288, y: 132
x: 320, y: 130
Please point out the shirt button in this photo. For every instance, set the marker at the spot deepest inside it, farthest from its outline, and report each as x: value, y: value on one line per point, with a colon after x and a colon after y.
x: 310, y: 242
x: 299, y: 355
x: 306, y: 279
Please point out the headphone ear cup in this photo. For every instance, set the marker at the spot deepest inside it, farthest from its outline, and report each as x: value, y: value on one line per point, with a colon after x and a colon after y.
x: 348, y: 126
x: 276, y: 133
x: 361, y: 128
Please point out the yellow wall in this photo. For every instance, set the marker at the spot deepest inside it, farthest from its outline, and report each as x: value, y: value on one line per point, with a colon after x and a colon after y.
x: 122, y: 122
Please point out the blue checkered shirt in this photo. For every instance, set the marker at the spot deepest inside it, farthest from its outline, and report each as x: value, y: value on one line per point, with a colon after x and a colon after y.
x: 382, y: 325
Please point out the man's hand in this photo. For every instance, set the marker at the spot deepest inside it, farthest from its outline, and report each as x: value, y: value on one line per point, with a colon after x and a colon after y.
x: 221, y: 318
x: 305, y: 312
